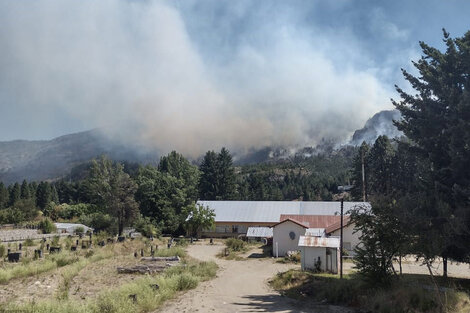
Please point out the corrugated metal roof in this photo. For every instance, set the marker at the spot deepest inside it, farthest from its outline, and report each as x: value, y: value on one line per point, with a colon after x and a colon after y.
x: 70, y: 225
x: 293, y: 221
x: 315, y: 232
x: 327, y: 242
x: 265, y: 232
x: 270, y: 211
x: 313, y: 221
x: 333, y: 227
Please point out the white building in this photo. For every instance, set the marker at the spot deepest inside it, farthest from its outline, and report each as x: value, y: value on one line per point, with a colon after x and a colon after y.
x: 350, y: 237
x: 286, y: 236
x: 70, y: 228
x: 319, y: 253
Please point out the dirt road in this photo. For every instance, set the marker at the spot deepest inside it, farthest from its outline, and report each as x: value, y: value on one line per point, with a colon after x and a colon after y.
x: 240, y: 286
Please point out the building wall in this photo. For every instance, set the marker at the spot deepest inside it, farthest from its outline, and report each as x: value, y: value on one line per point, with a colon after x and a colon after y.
x: 310, y: 255
x: 281, y: 239
x: 231, y: 229
x: 350, y: 239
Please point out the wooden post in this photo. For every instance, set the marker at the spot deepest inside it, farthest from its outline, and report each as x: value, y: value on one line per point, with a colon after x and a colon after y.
x: 341, y: 243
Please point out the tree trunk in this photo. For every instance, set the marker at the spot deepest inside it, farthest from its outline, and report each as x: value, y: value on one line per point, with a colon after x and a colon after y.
x: 444, y: 260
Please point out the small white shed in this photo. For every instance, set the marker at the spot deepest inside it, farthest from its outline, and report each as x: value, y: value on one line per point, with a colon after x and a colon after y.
x: 319, y: 253
x: 286, y: 236
x: 70, y: 228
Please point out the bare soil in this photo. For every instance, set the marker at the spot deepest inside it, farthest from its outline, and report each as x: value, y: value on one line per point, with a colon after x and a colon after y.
x: 240, y: 286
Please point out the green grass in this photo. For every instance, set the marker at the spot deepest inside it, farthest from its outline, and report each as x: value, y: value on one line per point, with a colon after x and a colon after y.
x: 31, y: 268
x: 121, y: 300
x: 411, y: 293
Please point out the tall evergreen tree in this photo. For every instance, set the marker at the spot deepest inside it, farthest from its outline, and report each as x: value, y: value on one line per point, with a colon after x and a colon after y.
x: 437, y: 121
x: 15, y: 194
x: 226, y: 187
x: 380, y: 166
x: 25, y: 191
x: 4, y: 196
x: 208, y: 183
x: 43, y: 195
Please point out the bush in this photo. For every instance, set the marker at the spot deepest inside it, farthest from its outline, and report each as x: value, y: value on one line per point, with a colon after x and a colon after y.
x: 47, y: 226
x: 2, y: 251
x: 235, y: 244
x: 79, y: 230
x: 100, y: 222
x: 145, y: 226
x: 28, y: 242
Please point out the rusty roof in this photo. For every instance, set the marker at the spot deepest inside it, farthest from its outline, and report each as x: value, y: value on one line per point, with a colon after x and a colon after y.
x: 337, y: 225
x: 327, y: 242
x: 313, y: 221
x: 293, y: 221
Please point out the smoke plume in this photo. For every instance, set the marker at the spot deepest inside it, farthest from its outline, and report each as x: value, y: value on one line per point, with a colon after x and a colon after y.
x: 177, y: 76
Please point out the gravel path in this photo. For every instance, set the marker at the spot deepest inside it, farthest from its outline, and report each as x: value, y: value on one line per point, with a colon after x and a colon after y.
x: 240, y: 286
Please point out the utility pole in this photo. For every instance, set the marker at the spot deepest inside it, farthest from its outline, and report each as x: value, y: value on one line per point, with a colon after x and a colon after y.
x: 341, y: 243
x: 363, y: 177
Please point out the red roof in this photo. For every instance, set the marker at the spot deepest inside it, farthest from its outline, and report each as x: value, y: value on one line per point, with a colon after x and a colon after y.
x: 337, y: 225
x: 293, y: 221
x: 313, y: 221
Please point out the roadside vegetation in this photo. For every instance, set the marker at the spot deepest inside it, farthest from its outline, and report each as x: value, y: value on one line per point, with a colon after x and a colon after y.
x: 143, y: 294
x: 412, y: 293
x: 233, y: 248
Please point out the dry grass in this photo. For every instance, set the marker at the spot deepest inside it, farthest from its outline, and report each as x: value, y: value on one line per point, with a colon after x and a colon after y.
x: 412, y: 293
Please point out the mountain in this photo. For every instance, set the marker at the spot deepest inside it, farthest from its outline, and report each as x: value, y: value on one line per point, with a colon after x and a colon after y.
x: 379, y: 124
x: 53, y: 159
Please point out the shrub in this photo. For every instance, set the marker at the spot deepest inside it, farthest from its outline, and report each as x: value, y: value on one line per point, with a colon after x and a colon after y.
x: 145, y: 226
x: 47, y: 226
x: 79, y: 230
x: 2, y: 251
x: 100, y: 222
x: 235, y: 244
x: 28, y: 242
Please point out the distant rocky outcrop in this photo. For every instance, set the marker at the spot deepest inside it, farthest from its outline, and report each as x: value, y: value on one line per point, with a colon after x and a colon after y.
x: 379, y: 124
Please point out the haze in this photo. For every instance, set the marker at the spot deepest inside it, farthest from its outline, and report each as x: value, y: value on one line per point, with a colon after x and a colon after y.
x: 199, y: 75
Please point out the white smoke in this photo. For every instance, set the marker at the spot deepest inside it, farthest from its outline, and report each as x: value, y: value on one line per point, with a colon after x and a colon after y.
x: 135, y: 68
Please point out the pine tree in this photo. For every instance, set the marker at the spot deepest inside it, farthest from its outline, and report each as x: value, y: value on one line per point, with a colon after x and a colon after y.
x: 208, y: 182
x: 43, y: 195
x: 4, y: 196
x: 15, y: 194
x: 437, y: 121
x: 25, y: 192
x: 226, y: 187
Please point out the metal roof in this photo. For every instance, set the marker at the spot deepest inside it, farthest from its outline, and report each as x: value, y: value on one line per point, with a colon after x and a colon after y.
x: 265, y: 232
x: 313, y: 221
x: 315, y: 232
x: 270, y: 211
x: 327, y: 242
x: 70, y: 225
x: 334, y: 227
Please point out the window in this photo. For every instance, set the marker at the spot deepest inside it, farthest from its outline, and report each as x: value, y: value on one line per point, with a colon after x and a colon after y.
x: 234, y: 228
x: 347, y: 246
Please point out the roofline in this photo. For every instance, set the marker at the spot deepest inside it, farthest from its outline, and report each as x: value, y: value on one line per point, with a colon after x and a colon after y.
x: 334, y: 227
x: 293, y: 221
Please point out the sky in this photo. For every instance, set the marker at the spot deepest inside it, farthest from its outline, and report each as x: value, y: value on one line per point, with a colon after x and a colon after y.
x: 198, y: 75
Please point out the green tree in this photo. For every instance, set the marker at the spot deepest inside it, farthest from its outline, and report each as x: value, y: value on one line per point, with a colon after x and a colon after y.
x: 380, y: 166
x: 209, y: 172
x: 382, y: 239
x: 25, y: 191
x: 437, y: 121
x: 43, y: 195
x: 178, y: 166
x: 163, y: 198
x: 226, y: 187
x: 15, y: 194
x: 4, y: 196
x: 114, y: 190
x: 199, y: 218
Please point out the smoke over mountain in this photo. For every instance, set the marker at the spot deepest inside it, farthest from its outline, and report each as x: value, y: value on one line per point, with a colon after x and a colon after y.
x: 155, y: 73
